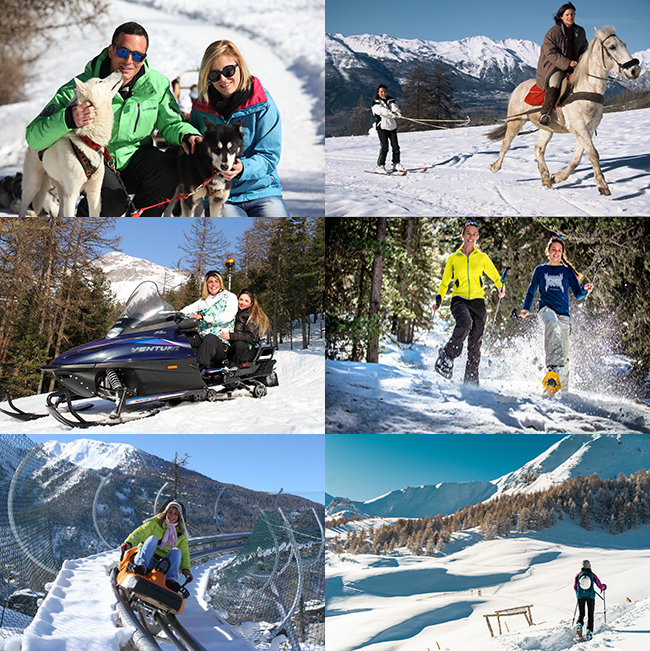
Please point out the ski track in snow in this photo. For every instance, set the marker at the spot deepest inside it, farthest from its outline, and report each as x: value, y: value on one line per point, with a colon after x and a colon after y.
x: 458, y: 181
x: 296, y: 406
x: 404, y: 394
x: 401, y: 602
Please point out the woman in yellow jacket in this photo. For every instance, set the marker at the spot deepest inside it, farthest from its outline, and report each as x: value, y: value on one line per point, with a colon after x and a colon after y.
x: 163, y: 536
x: 466, y: 268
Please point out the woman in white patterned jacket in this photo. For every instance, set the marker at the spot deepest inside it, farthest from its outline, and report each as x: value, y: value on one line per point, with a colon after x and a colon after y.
x: 216, y: 310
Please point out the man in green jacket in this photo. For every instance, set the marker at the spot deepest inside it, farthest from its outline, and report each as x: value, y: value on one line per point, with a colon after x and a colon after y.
x: 144, y: 103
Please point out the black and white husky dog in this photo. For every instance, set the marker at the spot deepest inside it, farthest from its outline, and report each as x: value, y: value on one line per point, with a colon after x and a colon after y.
x: 199, y: 173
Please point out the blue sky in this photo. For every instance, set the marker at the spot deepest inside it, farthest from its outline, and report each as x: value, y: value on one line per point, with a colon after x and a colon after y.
x: 433, y: 20
x: 362, y: 467
x: 157, y: 238
x: 264, y: 462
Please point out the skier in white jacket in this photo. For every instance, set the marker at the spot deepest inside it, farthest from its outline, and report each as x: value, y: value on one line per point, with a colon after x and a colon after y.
x: 385, y: 111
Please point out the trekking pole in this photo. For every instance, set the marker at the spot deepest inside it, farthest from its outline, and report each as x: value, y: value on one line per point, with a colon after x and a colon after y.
x: 504, y: 275
x: 438, y: 303
x: 603, y: 262
x: 604, y: 608
x: 574, y: 614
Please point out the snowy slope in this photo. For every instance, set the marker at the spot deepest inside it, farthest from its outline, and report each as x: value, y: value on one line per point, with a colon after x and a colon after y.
x: 400, y: 602
x: 296, y: 406
x: 126, y: 272
x: 576, y: 455
x: 458, y: 181
x: 94, y: 455
x: 580, y: 456
x: 420, y: 501
x: 404, y: 394
x: 286, y: 55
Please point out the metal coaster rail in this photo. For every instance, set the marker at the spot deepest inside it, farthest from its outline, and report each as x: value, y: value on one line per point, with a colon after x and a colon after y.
x: 200, y: 550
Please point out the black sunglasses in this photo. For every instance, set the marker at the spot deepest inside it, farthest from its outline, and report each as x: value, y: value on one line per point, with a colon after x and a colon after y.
x: 123, y: 53
x: 227, y: 72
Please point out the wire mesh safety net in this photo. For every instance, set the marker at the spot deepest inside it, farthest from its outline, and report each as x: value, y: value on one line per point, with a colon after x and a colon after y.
x: 278, y: 578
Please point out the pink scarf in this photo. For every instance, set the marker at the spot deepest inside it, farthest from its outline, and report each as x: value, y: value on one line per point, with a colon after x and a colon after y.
x: 170, y: 536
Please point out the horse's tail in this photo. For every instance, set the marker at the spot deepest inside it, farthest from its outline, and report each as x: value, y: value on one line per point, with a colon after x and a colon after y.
x: 498, y: 133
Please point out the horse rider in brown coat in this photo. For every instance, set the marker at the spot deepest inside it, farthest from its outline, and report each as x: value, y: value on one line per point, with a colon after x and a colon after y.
x: 563, y: 45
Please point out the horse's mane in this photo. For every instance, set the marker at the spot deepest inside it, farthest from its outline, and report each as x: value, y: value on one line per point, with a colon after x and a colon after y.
x: 583, y: 63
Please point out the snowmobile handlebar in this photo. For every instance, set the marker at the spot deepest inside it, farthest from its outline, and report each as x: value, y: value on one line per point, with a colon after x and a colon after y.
x: 186, y: 323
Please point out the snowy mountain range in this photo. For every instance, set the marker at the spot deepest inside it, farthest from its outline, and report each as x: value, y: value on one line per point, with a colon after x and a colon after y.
x: 483, y: 71
x: 125, y: 273
x: 576, y: 455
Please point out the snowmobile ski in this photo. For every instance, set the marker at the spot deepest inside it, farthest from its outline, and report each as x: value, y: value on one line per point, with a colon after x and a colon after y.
x: 551, y: 383
x: 18, y: 413
x: 115, y: 418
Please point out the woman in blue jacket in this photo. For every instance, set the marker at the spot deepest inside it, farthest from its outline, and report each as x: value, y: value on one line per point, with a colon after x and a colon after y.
x: 554, y: 280
x: 229, y: 93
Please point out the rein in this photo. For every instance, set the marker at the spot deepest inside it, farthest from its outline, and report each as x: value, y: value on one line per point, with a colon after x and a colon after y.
x: 462, y: 123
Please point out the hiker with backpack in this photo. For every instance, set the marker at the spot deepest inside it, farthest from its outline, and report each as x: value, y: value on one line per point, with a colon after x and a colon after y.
x: 584, y: 586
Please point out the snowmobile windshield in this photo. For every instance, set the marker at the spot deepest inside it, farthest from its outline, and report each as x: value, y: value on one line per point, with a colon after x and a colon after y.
x: 145, y: 308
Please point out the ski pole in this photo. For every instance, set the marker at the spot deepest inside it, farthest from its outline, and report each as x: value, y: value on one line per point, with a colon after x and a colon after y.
x: 438, y: 303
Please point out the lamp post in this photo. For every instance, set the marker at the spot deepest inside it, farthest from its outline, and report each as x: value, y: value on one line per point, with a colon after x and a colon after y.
x: 230, y: 263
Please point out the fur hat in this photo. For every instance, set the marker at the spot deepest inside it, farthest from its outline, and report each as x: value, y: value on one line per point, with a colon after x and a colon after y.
x: 586, y: 565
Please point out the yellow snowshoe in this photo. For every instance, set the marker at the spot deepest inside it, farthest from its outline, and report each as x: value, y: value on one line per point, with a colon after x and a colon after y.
x: 551, y: 383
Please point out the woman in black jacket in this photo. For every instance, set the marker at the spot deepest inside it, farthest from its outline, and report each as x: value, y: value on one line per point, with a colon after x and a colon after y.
x: 250, y: 324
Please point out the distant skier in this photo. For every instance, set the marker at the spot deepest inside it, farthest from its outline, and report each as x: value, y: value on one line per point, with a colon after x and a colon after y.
x: 585, y: 591
x: 465, y: 268
x: 385, y: 111
x: 553, y: 280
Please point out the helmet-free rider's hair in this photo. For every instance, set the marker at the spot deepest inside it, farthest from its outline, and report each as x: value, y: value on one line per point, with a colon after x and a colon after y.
x: 560, y: 12
x: 210, y: 274
x: 257, y: 314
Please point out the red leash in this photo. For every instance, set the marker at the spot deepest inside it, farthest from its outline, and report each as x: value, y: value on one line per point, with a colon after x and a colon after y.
x: 138, y: 213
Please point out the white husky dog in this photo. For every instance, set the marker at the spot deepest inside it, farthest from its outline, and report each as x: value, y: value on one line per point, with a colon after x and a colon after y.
x: 76, y: 161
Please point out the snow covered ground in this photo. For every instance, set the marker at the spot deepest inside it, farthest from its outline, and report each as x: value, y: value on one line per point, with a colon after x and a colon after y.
x: 296, y: 406
x: 458, y: 181
x: 286, y: 55
x: 401, y: 602
x: 79, y: 612
x: 404, y: 394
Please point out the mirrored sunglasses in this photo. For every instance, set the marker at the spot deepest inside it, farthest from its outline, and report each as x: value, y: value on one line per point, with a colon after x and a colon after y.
x: 123, y: 53
x: 227, y: 72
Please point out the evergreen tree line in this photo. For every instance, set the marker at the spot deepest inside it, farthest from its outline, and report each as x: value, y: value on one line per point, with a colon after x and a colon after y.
x: 615, y: 505
x: 428, y: 95
x: 54, y: 296
x: 615, y: 318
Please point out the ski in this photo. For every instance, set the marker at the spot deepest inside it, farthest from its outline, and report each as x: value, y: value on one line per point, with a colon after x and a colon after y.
x: 416, y: 170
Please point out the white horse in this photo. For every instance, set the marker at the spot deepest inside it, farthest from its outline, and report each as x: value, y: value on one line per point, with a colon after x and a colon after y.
x: 581, y: 112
